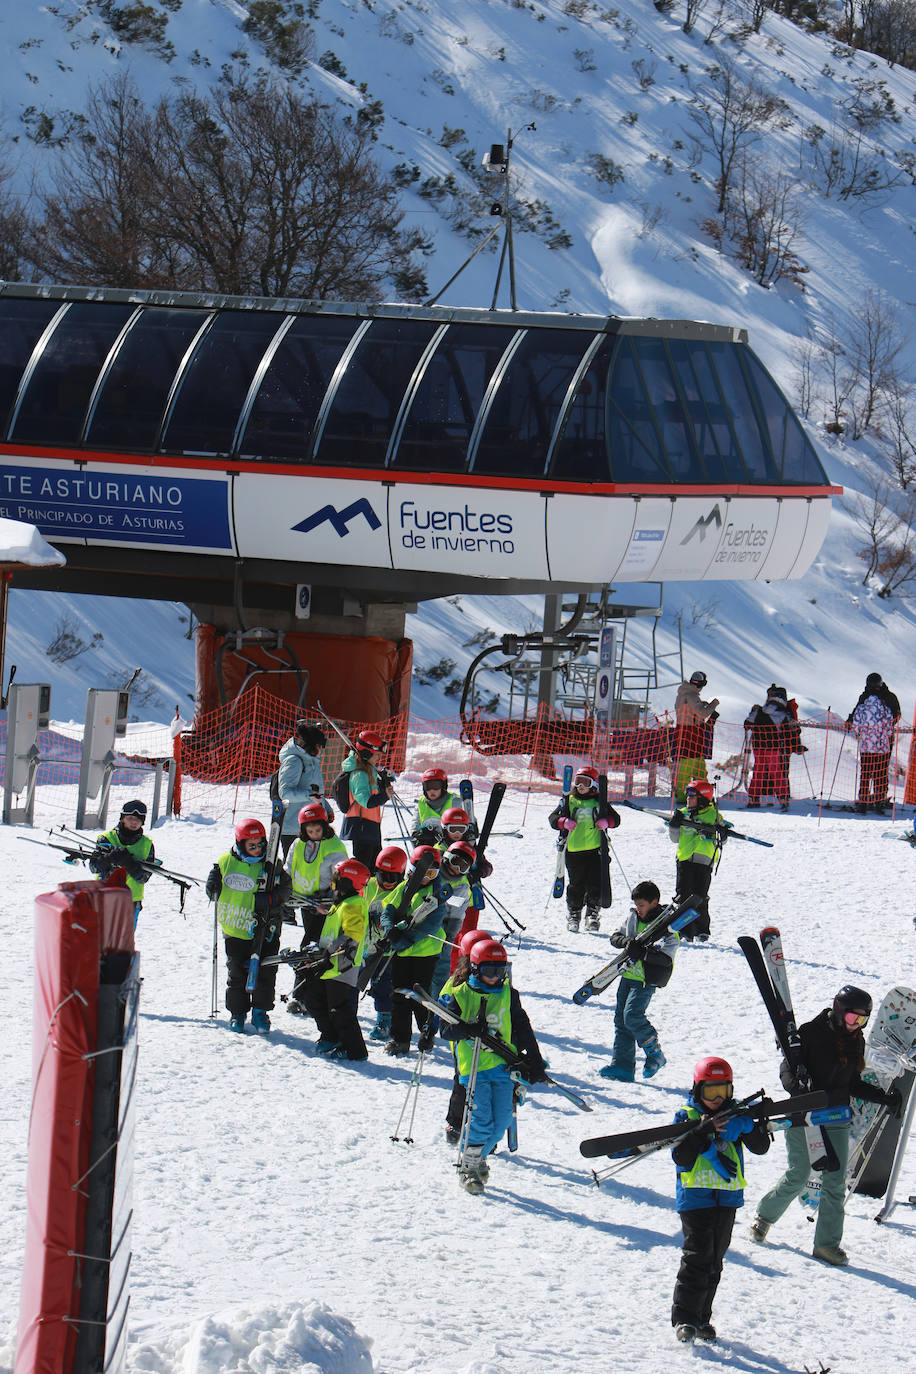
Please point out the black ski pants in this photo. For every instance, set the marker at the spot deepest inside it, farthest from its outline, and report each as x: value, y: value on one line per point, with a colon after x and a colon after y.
x: 583, y: 869
x: 693, y: 879
x: 405, y: 971
x: 333, y: 1005
x: 238, y: 954
x: 707, y: 1234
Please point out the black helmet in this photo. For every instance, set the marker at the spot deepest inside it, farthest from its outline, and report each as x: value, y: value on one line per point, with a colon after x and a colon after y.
x: 850, y: 999
x: 134, y: 808
x: 698, y: 678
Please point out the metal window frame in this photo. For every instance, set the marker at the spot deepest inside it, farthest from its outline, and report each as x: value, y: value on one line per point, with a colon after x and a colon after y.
x: 29, y: 370
x: 254, y: 385
x: 413, y: 387
x: 585, y: 363
x: 104, y: 370
x: 489, y: 396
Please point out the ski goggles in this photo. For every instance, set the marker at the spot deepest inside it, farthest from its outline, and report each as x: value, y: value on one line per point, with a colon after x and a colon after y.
x: 456, y: 831
x: 134, y: 808
x: 493, y: 974
x: 458, y: 863
x: 855, y: 1019
x: 715, y: 1092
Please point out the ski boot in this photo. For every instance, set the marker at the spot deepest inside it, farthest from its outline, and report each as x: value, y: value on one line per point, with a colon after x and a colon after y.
x: 338, y: 1052
x: 759, y: 1229
x: 295, y: 1007
x: 655, y: 1060
x: 471, y: 1175
x: 382, y: 1028
x: 260, y: 1021
x: 830, y: 1254
x: 237, y: 1023
x: 593, y: 919
x: 451, y: 1135
x: 617, y: 1073
x: 397, y: 1048
x: 706, y: 1332
x: 572, y: 919
x: 686, y: 1333
x: 324, y: 1045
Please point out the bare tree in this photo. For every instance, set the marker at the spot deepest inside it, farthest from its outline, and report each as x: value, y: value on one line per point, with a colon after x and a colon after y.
x: 765, y: 220
x: 731, y: 114
x: 844, y: 162
x: 898, y: 424
x: 693, y: 10
x: 875, y: 343
x: 875, y: 521
x: 15, y: 229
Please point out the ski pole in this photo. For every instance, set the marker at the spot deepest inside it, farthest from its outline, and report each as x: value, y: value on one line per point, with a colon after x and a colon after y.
x: 403, y: 826
x: 502, y: 908
x: 214, y: 975
x: 836, y: 769
x: 413, y: 1092
x: 619, y: 864
x: 469, y: 1091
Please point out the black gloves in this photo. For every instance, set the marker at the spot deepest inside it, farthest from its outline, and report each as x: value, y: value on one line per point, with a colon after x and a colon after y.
x: 893, y: 1100
x: 700, y: 1138
x: 676, y: 821
x: 634, y: 950
x: 214, y: 883
x: 462, y: 1030
x: 533, y: 1070
x: 618, y: 939
x: 427, y: 1036
x: 265, y: 902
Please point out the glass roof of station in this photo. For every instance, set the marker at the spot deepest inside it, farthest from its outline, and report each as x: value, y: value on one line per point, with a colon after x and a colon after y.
x: 572, y: 399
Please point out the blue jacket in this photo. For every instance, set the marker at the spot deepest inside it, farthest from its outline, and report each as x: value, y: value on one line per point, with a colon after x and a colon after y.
x: 686, y: 1154
x: 298, y: 771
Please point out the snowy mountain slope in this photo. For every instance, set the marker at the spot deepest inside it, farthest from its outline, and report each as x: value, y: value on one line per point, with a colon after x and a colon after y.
x: 267, y: 1182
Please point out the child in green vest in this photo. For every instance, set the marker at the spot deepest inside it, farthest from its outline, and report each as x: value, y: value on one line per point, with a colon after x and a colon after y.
x: 330, y: 995
x: 635, y: 987
x: 710, y: 1189
x: 126, y: 847
x: 699, y: 831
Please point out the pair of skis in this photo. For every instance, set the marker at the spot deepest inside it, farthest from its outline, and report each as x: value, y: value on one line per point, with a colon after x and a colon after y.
x: 489, y: 1042
x: 466, y: 792
x: 673, y: 917
x: 709, y: 832
x: 767, y: 964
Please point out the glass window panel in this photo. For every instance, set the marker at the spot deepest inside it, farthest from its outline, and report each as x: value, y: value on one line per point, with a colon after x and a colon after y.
x: 21, y: 325
x: 758, y: 465
x: 213, y: 390
x: 633, y: 442
x: 581, y: 454
x: 53, y: 409
x: 290, y: 395
x: 712, y: 432
x: 442, y: 414
x: 521, y: 421
x: 796, y: 459
x: 671, y: 422
x: 130, y: 406
x: 362, y: 416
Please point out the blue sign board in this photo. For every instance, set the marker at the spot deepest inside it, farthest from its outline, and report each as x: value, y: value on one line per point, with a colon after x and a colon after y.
x: 130, y: 507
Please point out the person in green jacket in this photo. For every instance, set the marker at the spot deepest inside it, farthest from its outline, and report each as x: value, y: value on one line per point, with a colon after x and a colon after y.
x: 583, y: 818
x: 414, y: 930
x: 330, y: 994
x: 126, y: 847
x: 699, y: 831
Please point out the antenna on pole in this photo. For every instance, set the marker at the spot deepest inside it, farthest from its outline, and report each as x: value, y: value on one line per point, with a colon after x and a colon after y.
x: 496, y: 161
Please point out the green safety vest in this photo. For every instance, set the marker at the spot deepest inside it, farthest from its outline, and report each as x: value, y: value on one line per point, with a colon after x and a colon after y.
x: 583, y: 810
x: 498, y: 1018
x: 428, y: 944
x: 306, y: 873
x: 235, y: 907
x: 703, y: 1175
x: 349, y: 917
x: 690, y: 843
x: 427, y: 812
x: 138, y: 850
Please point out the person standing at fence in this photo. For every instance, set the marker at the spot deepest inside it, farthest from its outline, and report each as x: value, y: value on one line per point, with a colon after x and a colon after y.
x: 693, y: 717
x: 768, y: 726
x: 299, y: 777
x: 370, y: 788
x: 126, y: 847
x: 873, y: 720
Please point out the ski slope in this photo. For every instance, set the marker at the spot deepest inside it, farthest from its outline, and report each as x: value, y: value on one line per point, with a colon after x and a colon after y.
x: 278, y: 1228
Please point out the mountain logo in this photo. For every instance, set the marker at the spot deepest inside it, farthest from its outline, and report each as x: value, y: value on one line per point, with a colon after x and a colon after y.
x: 702, y: 525
x: 340, y: 519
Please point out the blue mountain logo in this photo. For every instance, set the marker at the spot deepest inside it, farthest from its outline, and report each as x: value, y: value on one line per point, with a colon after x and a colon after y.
x: 340, y: 519
x: 702, y: 525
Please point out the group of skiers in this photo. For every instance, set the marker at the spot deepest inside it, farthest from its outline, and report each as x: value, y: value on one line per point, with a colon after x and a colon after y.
x: 773, y: 735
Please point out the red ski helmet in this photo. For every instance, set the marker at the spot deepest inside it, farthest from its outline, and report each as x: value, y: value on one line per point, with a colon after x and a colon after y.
x: 391, y: 861
x: 591, y: 774
x: 712, y: 1070
x: 702, y: 787
x: 314, y: 813
x: 370, y: 740
x: 427, y: 860
x: 460, y: 856
x: 489, y: 965
x: 436, y: 775
x: 470, y: 938
x: 350, y: 871
x: 455, y: 817
x: 249, y: 830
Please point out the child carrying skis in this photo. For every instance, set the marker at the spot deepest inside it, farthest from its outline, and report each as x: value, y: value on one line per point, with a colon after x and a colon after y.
x: 233, y: 883
x: 635, y: 988
x: 582, y: 817
x: 488, y: 1001
x: 698, y: 831
x: 435, y: 798
x: 330, y: 993
x: 710, y: 1189
x: 126, y: 847
x: 389, y: 870
x: 309, y: 863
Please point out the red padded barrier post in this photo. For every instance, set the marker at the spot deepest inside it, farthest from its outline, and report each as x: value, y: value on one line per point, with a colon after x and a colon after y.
x: 74, y: 927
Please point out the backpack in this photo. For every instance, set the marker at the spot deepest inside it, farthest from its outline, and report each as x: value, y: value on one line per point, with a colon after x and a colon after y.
x: 340, y: 791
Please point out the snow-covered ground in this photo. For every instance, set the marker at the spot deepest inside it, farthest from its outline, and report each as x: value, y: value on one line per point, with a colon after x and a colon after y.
x: 272, y: 1207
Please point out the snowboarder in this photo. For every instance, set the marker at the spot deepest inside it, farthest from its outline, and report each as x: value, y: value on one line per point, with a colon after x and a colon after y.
x: 370, y: 788
x: 873, y: 720
x: 698, y: 832
x: 710, y: 1189
x: 488, y: 998
x: 768, y: 725
x: 416, y: 937
x: 435, y: 799
x: 126, y: 847
x: 389, y: 869
x: 693, y: 740
x: 635, y: 988
x: 833, y: 1054
x: 299, y: 777
x: 330, y: 993
x: 309, y: 864
x: 233, y: 883
x: 583, y: 818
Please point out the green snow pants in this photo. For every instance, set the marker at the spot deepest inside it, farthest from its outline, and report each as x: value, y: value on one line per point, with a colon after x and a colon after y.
x: 830, y: 1213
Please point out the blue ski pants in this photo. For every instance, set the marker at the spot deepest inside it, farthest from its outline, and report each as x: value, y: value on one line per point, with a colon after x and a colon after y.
x: 830, y: 1213
x: 492, y: 1110
x: 632, y: 1026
